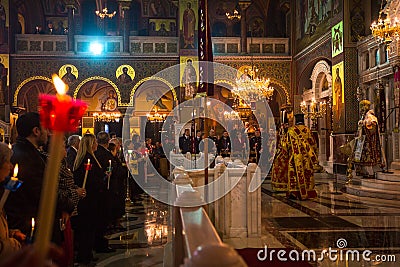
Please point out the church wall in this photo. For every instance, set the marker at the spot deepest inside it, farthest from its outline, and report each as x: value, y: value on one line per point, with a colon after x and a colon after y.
x: 23, y: 68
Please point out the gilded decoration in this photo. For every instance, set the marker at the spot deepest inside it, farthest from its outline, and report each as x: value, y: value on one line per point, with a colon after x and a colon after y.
x: 26, y: 68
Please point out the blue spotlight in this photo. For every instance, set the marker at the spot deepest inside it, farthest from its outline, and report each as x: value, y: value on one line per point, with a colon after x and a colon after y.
x: 96, y: 48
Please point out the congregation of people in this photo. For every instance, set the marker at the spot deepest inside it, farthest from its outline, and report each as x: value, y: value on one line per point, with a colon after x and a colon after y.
x: 225, y: 145
x: 88, y: 208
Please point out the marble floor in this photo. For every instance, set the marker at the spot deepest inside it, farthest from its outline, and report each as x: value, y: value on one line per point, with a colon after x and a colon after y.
x: 333, y: 220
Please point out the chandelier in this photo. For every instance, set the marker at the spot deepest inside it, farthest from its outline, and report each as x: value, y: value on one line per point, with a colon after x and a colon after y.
x: 107, y: 116
x: 156, y: 117
x: 103, y: 13
x: 232, y: 115
x: 234, y: 16
x: 252, y: 88
x: 385, y: 30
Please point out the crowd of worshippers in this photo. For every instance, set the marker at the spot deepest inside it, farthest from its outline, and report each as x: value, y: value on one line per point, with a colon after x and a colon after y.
x: 87, y: 209
x: 222, y: 145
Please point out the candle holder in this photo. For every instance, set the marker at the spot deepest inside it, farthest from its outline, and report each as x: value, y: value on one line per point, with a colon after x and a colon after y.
x: 313, y: 111
x: 12, y: 184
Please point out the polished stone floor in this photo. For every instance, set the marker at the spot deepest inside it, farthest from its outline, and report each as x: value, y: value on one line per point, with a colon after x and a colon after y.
x: 333, y: 220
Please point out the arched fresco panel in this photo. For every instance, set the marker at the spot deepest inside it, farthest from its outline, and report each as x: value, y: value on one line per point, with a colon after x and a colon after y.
x: 99, y: 95
x: 27, y: 96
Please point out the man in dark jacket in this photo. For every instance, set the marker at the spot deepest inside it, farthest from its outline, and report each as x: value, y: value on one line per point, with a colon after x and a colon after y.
x: 105, y: 157
x: 256, y: 145
x: 185, y: 142
x: 23, y: 204
x: 73, y: 145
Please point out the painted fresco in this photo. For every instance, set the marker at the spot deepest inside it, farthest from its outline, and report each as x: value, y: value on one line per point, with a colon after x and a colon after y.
x: 338, y: 96
x: 313, y: 20
x: 158, y: 9
x: 125, y: 74
x: 151, y: 95
x: 4, y: 26
x: 99, y: 95
x: 188, y: 19
x: 68, y: 73
x: 337, y: 39
x: 189, y: 69
x: 28, y: 95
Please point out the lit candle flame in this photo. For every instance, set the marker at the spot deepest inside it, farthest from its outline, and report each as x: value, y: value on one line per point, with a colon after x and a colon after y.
x: 61, y: 87
x: 9, y: 146
x: 33, y: 223
x: 15, y: 170
x: 88, y: 161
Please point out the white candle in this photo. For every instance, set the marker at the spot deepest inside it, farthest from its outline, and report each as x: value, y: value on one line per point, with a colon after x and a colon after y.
x: 86, y: 173
x: 33, y: 227
x: 108, y: 174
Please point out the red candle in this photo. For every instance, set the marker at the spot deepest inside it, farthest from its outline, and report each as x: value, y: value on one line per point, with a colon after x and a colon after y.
x: 60, y: 114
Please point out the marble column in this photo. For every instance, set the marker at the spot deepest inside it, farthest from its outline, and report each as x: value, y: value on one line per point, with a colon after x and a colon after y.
x: 124, y: 23
x: 243, y: 26
x: 70, y: 5
x: 143, y: 122
x: 126, y: 127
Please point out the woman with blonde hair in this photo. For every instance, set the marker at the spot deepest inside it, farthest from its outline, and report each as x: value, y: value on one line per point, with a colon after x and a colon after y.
x: 88, y: 210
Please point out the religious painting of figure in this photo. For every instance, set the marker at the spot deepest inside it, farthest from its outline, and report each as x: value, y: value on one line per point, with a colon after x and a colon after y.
x: 125, y: 74
x: 337, y: 39
x: 338, y: 95
x: 157, y: 9
x: 109, y: 100
x: 99, y: 95
x: 188, y: 22
x: 312, y: 21
x: 68, y: 73
x: 188, y: 69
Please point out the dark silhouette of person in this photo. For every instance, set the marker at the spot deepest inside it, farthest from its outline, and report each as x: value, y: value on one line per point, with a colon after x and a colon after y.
x: 124, y: 77
x: 68, y: 77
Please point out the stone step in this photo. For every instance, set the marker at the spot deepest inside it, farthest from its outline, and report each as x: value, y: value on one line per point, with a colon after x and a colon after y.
x: 380, y: 202
x: 381, y: 184
x: 393, y: 176
x: 359, y: 190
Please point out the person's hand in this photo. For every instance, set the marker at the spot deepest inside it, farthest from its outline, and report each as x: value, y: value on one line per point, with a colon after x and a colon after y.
x: 81, y: 192
x: 17, y: 234
x: 28, y: 256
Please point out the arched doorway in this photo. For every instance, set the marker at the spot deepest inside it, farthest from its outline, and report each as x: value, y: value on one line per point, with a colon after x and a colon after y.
x: 151, y: 97
x: 321, y: 91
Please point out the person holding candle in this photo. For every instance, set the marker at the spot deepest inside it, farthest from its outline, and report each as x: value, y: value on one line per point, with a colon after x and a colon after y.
x: 104, y: 157
x: 73, y: 145
x: 9, y: 240
x: 85, y: 223
x: 23, y: 205
x: 117, y: 187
